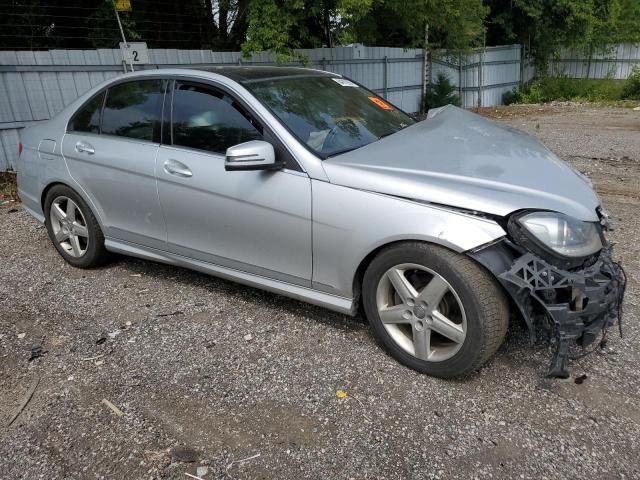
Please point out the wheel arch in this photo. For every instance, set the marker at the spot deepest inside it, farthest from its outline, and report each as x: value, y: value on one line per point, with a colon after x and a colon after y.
x: 77, y: 191
x: 373, y: 253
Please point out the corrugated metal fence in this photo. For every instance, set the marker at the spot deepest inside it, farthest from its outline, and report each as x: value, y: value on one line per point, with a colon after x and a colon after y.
x: 35, y: 85
x: 483, y: 76
x: 616, y: 61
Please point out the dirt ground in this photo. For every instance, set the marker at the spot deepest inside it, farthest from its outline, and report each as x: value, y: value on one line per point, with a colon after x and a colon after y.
x: 218, y: 380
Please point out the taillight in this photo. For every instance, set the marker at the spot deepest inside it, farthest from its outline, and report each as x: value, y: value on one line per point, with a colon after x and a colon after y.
x: 19, y: 149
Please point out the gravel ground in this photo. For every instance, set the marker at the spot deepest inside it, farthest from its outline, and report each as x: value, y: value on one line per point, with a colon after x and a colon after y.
x: 223, y: 381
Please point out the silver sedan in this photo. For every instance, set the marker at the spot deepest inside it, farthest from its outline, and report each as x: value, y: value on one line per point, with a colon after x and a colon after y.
x: 307, y: 184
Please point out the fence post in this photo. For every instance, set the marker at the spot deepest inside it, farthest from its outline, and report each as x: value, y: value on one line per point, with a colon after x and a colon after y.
x: 522, y: 56
x: 481, y: 67
x: 479, y: 102
x: 462, y: 99
x: 385, y: 72
x: 426, y: 68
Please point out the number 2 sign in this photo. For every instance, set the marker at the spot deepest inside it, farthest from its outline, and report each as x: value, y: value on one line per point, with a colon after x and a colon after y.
x: 135, y: 53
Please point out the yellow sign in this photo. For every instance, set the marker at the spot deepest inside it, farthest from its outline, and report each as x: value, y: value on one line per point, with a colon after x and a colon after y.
x: 123, y: 5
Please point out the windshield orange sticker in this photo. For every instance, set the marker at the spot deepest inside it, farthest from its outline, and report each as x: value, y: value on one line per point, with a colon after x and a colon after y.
x: 381, y: 103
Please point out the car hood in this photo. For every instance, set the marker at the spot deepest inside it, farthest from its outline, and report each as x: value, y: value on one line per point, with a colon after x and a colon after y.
x: 460, y: 159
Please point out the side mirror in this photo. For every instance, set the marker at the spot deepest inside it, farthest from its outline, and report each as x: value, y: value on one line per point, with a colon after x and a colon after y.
x: 253, y: 155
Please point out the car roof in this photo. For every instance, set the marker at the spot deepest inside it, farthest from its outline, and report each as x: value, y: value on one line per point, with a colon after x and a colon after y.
x: 238, y: 74
x: 245, y: 74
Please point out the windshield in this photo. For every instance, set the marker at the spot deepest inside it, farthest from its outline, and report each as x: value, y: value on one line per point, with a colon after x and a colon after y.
x: 331, y: 115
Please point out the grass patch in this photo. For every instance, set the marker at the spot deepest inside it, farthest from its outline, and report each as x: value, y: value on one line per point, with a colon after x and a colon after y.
x: 550, y: 89
x: 8, y: 186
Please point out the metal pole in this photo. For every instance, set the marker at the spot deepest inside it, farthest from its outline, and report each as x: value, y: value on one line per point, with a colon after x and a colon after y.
x: 522, y: 65
x: 386, y: 69
x: 480, y: 67
x: 426, y: 67
x: 460, y: 92
x: 124, y: 40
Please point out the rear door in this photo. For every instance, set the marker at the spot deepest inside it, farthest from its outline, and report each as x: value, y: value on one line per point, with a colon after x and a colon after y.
x: 110, y: 148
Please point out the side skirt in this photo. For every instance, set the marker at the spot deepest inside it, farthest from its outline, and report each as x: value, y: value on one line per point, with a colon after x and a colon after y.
x: 315, y: 297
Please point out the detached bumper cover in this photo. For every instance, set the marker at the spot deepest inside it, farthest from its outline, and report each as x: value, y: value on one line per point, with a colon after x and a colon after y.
x: 577, y: 305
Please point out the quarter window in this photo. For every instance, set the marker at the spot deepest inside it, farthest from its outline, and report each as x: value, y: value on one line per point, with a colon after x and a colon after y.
x: 207, y: 119
x: 133, y: 109
x: 87, y: 119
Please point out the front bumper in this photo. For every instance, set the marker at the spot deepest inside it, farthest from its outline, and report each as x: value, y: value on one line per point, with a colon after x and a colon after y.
x: 576, y: 305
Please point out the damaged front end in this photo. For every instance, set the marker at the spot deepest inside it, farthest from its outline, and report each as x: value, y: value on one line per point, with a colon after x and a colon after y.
x: 575, y: 304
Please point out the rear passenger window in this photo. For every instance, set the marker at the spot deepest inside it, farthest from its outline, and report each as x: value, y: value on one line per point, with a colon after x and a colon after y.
x: 87, y: 119
x: 207, y: 119
x: 133, y: 109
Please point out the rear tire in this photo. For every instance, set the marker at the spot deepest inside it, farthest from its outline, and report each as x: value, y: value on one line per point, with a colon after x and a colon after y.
x: 73, y: 228
x: 434, y: 310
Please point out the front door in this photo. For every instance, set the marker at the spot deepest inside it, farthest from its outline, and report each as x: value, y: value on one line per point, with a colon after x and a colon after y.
x: 253, y: 221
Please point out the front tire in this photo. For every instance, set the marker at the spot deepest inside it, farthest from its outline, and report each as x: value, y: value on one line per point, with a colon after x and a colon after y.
x: 73, y: 228
x: 434, y: 310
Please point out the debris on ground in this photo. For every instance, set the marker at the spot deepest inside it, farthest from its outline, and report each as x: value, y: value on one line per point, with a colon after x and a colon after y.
x: 113, y: 408
x: 178, y: 312
x: 37, y: 352
x: 25, y: 400
x: 238, y: 462
x: 193, y: 476
x: 202, y: 471
x: 580, y: 379
x: 185, y: 454
x: 90, y: 359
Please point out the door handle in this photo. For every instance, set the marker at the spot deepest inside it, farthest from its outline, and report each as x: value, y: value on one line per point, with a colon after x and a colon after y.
x: 179, y: 169
x: 84, y: 147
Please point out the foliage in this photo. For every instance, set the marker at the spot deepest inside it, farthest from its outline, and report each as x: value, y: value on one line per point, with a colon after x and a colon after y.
x: 549, y: 89
x: 441, y: 92
x: 512, y: 96
x: 453, y: 24
x: 8, y: 186
x: 631, y: 89
x: 215, y: 24
x: 282, y: 26
x: 545, y: 26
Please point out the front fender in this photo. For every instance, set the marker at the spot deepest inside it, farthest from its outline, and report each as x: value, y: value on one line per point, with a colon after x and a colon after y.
x: 349, y: 224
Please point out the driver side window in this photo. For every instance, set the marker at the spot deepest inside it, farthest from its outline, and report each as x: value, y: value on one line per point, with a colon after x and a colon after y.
x: 207, y: 119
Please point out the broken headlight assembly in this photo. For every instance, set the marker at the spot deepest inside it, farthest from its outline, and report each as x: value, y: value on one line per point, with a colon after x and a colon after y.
x: 560, y: 273
x: 561, y: 240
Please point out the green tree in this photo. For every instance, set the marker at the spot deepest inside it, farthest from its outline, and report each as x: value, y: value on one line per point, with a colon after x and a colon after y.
x: 453, y: 24
x: 547, y: 25
x: 284, y: 25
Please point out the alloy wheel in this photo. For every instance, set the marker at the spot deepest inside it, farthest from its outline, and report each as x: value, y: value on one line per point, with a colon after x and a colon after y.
x: 69, y: 226
x: 421, y: 312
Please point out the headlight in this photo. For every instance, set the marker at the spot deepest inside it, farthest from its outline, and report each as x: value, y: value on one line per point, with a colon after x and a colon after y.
x: 564, y: 235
